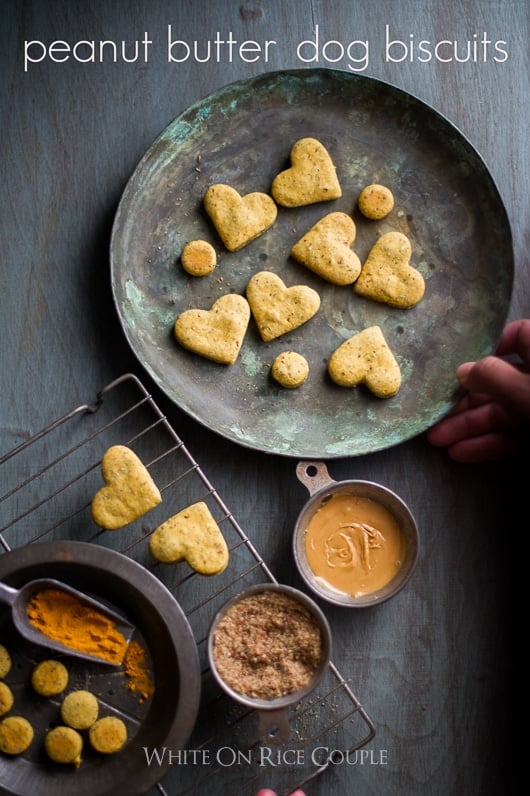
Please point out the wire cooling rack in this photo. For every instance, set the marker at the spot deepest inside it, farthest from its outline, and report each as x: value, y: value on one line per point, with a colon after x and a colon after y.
x: 48, y: 482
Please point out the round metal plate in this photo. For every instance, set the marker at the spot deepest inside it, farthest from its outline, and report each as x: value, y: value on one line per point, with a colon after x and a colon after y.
x: 446, y: 203
x: 164, y: 719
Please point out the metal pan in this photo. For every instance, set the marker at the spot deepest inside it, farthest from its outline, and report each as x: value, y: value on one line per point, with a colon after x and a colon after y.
x: 446, y: 203
x: 165, y: 719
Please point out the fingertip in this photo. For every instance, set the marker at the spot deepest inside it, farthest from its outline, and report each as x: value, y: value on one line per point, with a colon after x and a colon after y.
x: 462, y: 372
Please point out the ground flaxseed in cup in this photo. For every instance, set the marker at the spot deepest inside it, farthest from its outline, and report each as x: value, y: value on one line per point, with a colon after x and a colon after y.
x: 267, y: 645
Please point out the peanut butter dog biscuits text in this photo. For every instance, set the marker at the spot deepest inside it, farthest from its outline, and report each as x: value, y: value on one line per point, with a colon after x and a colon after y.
x: 194, y: 536
x: 239, y: 219
x: 366, y: 359
x: 326, y: 249
x: 311, y: 178
x: 217, y: 333
x: 129, y: 490
x: 387, y: 276
x: 278, y: 309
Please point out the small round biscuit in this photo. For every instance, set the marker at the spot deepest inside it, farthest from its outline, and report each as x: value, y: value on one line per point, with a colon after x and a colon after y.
x: 198, y: 258
x: 5, y: 661
x: 49, y: 678
x: 6, y: 699
x: 64, y: 745
x: 16, y: 734
x: 108, y: 735
x: 79, y: 709
x: 375, y: 201
x: 290, y: 369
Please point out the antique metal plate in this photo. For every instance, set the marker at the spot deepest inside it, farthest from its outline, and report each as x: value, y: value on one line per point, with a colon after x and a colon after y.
x: 165, y: 719
x: 446, y: 202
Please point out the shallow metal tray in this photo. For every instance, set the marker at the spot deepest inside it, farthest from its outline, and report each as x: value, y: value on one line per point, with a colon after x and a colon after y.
x: 446, y: 203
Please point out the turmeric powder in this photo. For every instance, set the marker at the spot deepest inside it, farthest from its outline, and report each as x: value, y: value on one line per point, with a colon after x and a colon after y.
x: 138, y: 672
x: 63, y: 618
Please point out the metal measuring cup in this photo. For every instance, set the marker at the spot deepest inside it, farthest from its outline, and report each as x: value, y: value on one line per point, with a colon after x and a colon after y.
x: 273, y: 714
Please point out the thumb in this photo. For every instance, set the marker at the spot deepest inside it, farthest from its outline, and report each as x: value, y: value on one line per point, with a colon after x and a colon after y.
x: 504, y: 382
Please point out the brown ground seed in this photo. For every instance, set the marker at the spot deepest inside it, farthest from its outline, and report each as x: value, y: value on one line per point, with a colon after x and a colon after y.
x: 267, y: 645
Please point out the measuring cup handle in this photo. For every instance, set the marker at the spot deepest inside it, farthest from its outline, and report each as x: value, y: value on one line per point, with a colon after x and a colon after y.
x: 313, y: 475
x: 8, y: 595
x: 273, y: 726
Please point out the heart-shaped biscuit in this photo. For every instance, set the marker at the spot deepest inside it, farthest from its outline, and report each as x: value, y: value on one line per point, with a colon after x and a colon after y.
x: 239, y: 219
x: 278, y: 309
x: 311, y: 178
x: 217, y: 333
x: 194, y: 536
x: 129, y: 490
x: 366, y: 358
x: 326, y: 249
x: 386, y: 275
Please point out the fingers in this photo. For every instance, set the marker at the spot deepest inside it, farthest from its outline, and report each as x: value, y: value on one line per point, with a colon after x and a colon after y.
x: 501, y: 380
x: 515, y: 339
x: 471, y: 421
x: 489, y: 447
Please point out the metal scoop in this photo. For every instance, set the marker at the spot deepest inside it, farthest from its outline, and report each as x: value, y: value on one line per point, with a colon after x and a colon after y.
x: 19, y: 599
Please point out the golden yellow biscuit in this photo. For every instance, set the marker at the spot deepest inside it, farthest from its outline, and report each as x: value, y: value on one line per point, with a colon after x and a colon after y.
x: 217, y: 333
x: 5, y: 661
x: 16, y: 735
x: 311, y: 178
x: 290, y: 369
x: 326, y: 249
x: 366, y: 359
x: 64, y: 745
x: 129, y: 490
x: 6, y: 699
x: 108, y: 735
x: 375, y: 201
x: 194, y: 536
x: 49, y: 678
x: 278, y: 309
x: 79, y: 709
x: 386, y: 275
x: 198, y: 258
x: 239, y: 219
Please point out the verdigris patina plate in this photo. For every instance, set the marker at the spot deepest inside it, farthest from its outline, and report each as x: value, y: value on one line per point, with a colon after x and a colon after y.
x: 446, y: 202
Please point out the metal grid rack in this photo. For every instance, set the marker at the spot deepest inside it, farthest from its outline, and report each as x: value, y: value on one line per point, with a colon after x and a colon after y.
x: 47, y: 485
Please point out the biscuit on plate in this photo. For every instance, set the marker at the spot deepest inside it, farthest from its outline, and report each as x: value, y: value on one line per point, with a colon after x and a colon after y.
x: 366, y: 358
x: 311, y: 178
x: 278, y: 309
x: 387, y: 276
x: 239, y: 219
x: 326, y: 249
x: 216, y: 334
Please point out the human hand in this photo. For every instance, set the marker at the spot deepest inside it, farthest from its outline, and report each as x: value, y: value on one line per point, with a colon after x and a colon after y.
x: 269, y: 792
x: 488, y: 422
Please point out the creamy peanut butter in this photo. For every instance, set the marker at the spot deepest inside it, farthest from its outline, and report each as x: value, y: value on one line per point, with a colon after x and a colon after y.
x: 354, y: 544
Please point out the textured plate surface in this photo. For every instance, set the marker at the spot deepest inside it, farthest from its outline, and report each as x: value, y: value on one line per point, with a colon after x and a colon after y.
x: 164, y: 719
x: 446, y: 203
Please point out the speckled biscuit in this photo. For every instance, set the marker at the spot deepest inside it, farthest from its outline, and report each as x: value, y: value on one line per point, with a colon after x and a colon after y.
x: 6, y: 699
x: 198, y: 258
x: 366, y: 359
x: 5, y: 661
x: 129, y: 490
x: 194, y: 536
x: 217, y: 333
x: 239, y: 219
x: 16, y: 735
x: 375, y: 201
x: 108, y: 735
x: 290, y: 369
x: 278, y: 309
x: 326, y: 249
x: 64, y: 745
x: 311, y: 178
x: 386, y: 275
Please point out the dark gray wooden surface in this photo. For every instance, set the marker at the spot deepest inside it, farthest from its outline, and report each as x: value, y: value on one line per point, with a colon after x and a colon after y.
x: 433, y: 667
